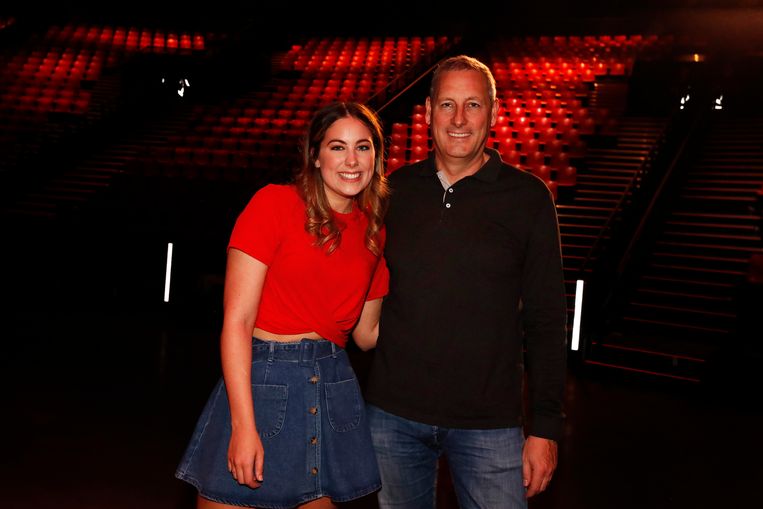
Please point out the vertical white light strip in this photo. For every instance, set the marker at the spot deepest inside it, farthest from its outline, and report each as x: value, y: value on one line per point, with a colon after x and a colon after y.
x: 576, y: 319
x: 168, y: 273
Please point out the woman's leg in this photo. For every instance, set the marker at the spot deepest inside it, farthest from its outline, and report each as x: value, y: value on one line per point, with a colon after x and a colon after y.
x: 321, y: 503
x: 203, y: 503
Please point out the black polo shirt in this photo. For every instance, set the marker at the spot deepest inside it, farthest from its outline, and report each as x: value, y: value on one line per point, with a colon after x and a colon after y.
x: 475, y: 276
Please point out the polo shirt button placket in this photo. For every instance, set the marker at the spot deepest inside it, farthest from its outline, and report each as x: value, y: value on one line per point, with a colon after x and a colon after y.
x: 447, y: 203
x: 444, y: 215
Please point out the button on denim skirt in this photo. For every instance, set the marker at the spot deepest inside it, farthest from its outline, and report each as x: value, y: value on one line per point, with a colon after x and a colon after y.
x: 311, y: 419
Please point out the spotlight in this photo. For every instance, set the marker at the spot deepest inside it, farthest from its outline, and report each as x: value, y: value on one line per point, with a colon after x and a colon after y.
x: 182, y: 85
x: 684, y: 100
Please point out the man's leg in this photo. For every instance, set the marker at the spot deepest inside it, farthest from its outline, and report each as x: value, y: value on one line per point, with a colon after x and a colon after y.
x: 486, y: 466
x: 407, y: 454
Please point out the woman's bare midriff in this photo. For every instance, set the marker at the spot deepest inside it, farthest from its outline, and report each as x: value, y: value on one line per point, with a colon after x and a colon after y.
x: 283, y: 338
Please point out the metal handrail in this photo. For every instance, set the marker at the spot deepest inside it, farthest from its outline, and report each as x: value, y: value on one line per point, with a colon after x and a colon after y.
x: 678, y: 154
x: 383, y: 92
x: 621, y: 202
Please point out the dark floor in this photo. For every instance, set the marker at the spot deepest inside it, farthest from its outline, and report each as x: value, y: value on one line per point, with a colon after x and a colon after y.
x: 102, y: 403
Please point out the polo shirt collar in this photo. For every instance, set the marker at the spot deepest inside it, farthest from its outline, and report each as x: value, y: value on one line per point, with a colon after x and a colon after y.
x: 487, y: 173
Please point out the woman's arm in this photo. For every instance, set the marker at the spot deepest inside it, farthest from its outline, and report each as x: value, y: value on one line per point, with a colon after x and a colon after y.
x: 366, y: 332
x: 244, y: 279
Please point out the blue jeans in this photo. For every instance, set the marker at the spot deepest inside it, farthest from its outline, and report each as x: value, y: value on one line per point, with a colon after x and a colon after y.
x: 485, y: 464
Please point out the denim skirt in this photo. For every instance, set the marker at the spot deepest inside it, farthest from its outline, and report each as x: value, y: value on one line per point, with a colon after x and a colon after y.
x: 311, y: 418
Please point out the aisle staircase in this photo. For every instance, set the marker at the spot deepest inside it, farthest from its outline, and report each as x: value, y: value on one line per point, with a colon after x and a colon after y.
x: 683, y: 309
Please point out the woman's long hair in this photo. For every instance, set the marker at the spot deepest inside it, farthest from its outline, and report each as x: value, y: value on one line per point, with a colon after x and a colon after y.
x: 372, y: 201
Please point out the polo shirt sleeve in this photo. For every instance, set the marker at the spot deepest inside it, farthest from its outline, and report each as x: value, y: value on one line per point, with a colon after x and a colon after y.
x: 379, y: 281
x: 544, y: 316
x: 256, y: 231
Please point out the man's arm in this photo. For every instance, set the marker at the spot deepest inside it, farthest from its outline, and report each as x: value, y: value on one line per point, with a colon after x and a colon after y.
x: 544, y: 317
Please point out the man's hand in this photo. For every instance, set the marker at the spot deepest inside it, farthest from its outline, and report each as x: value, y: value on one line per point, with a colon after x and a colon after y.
x: 538, y: 464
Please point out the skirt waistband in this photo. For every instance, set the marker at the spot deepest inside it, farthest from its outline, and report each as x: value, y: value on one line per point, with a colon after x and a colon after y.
x: 306, y: 351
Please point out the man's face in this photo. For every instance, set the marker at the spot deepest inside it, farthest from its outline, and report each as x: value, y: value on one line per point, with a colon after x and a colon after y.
x: 460, y: 116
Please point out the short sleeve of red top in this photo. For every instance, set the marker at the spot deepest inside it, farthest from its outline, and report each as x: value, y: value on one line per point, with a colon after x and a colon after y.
x: 306, y: 289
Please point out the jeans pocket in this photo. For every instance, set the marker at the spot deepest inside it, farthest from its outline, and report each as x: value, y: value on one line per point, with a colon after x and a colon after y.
x: 269, y: 408
x: 343, y: 404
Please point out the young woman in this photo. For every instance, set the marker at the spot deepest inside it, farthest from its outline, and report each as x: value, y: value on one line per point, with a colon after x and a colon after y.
x: 286, y: 427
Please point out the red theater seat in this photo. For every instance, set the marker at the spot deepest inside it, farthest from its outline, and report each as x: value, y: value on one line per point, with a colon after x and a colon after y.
x: 398, y: 139
x: 502, y: 131
x: 543, y: 172
x: 393, y: 163
x: 535, y: 159
x: 419, y: 128
x: 547, y: 135
x: 542, y: 123
x: 530, y: 146
x: 587, y: 126
x: 396, y: 151
x: 512, y: 157
x: 553, y: 147
x: 506, y: 144
x: 553, y: 187
x: 560, y: 160
x: 420, y: 140
x: 418, y: 153
x: 566, y: 176
x: 399, y: 127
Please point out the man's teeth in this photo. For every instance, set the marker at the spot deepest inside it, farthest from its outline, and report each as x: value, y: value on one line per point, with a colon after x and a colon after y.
x: 458, y: 135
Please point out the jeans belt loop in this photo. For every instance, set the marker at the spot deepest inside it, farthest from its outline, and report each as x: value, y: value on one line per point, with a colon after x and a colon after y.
x: 307, y: 352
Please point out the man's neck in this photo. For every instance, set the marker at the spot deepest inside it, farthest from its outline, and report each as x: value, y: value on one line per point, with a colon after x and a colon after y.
x: 454, y: 169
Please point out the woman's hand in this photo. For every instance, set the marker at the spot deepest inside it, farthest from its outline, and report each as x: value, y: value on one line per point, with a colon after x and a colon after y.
x: 246, y: 457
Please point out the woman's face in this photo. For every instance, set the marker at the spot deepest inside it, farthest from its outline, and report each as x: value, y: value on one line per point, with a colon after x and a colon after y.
x: 346, y: 161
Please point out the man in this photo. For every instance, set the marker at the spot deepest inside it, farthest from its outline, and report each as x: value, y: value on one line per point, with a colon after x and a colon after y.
x: 476, y: 277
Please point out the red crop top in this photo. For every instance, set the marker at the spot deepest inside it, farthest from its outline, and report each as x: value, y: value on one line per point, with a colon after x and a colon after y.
x: 307, y: 289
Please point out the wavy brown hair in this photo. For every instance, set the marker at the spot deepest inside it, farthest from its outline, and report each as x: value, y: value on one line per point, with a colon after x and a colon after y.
x: 372, y: 201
